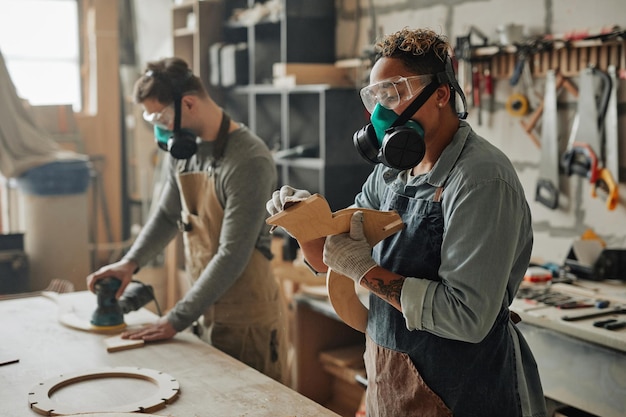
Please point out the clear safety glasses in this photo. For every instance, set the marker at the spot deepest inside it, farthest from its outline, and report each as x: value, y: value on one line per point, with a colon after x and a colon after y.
x: 390, y: 93
x: 163, y: 119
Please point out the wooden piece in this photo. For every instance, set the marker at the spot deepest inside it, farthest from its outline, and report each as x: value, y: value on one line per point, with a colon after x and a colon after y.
x: 75, y: 312
x: 312, y: 219
x: 292, y: 74
x: 168, y: 389
x: 117, y: 344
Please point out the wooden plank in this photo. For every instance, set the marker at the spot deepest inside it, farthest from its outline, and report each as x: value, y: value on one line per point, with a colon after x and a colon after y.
x: 117, y: 344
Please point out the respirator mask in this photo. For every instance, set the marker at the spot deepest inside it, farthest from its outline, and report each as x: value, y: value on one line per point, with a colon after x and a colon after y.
x: 397, y: 141
x: 180, y: 143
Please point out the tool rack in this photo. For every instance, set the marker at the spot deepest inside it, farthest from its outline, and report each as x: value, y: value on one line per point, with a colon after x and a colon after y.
x: 570, y: 57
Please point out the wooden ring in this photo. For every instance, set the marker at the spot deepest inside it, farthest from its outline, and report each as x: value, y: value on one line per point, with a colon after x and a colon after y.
x: 40, y: 401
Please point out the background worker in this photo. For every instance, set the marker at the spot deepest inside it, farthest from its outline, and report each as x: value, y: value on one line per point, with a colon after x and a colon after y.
x: 440, y: 339
x: 220, y: 177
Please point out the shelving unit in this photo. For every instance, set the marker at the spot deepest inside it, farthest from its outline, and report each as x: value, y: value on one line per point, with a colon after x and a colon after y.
x: 320, y: 119
x: 197, y: 24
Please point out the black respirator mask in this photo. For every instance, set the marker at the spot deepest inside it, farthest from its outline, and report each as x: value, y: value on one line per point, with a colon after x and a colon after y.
x: 401, y: 145
x: 180, y: 143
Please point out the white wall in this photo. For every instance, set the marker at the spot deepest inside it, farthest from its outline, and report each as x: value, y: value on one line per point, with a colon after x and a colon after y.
x: 554, y: 229
x: 153, y: 19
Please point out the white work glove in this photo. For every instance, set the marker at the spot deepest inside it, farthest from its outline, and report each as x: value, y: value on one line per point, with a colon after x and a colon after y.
x: 281, y: 198
x: 349, y: 253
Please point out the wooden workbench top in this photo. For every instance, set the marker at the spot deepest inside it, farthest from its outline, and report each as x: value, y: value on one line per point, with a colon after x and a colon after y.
x: 37, y: 348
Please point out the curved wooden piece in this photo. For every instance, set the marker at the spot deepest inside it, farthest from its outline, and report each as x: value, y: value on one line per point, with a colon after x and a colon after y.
x: 312, y: 219
x: 75, y: 312
x: 168, y: 390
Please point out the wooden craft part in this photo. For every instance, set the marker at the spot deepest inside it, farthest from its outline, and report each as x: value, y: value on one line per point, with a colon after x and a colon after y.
x: 116, y: 343
x: 168, y: 390
x: 75, y: 312
x: 312, y: 219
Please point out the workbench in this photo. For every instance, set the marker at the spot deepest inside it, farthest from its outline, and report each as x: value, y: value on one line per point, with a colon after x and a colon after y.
x: 579, y: 364
x: 36, y: 347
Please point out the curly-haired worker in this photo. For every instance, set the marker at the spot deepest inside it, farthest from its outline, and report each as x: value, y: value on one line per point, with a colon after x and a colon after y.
x: 440, y: 338
x: 220, y: 176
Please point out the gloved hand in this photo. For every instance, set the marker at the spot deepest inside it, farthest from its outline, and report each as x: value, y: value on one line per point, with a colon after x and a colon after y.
x: 281, y: 198
x: 349, y: 253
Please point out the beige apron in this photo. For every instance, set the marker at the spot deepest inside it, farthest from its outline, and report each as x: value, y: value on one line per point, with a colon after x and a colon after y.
x: 249, y: 321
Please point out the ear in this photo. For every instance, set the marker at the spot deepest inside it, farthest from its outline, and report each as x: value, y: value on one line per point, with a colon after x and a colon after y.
x: 188, y: 102
x: 443, y: 94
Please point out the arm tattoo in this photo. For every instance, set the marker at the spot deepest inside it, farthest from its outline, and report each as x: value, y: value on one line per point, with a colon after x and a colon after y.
x: 389, y: 291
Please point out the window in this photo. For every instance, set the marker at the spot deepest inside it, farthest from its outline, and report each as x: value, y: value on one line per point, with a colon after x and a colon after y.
x: 39, y: 41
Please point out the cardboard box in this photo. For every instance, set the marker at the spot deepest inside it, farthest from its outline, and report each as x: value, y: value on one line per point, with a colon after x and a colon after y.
x: 292, y: 74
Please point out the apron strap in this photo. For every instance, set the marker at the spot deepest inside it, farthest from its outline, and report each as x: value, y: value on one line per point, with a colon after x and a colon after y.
x: 222, y: 135
x: 438, y: 193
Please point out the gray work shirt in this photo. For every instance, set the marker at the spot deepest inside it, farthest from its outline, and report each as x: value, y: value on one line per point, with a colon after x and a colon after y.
x: 486, y: 248
x: 487, y: 238
x: 244, y: 180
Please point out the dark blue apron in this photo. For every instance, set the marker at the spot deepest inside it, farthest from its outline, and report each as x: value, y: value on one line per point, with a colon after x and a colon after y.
x: 415, y: 373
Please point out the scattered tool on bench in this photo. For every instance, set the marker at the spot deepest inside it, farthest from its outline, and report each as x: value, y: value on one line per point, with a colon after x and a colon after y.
x: 603, y: 313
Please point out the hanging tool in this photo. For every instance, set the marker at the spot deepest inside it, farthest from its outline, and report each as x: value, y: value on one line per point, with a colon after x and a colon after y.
x: 109, y: 313
x: 529, y: 125
x: 547, y: 190
x: 608, y: 176
x: 517, y: 103
x: 605, y: 178
x: 622, y: 69
x: 489, y: 90
x: 476, y: 90
x: 583, y: 155
x: 470, y: 71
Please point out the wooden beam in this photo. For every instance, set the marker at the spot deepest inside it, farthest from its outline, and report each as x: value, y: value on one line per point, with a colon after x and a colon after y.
x: 100, y: 120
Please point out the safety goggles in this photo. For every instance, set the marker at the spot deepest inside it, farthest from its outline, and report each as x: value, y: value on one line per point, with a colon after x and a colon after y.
x: 163, y: 119
x: 392, y: 92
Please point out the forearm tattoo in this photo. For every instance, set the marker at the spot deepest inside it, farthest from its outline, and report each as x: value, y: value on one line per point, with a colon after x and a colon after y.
x: 389, y: 291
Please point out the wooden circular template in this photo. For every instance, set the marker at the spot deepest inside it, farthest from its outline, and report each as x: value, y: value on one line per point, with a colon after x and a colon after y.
x: 168, y: 390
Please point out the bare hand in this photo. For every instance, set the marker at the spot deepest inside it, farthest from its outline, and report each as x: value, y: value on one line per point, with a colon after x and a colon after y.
x: 160, y: 330
x: 122, y: 270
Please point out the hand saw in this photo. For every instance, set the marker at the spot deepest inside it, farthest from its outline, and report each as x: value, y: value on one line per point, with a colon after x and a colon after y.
x: 583, y: 156
x: 547, y: 191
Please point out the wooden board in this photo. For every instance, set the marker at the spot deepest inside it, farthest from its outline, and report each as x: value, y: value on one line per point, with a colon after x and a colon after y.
x: 75, y: 310
x: 116, y: 343
x: 311, y: 218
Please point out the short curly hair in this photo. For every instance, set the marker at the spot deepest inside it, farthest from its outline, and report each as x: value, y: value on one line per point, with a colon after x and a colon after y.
x: 422, y: 51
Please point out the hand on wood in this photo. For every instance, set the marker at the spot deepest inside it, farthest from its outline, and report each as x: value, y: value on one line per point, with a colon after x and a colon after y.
x: 160, y: 330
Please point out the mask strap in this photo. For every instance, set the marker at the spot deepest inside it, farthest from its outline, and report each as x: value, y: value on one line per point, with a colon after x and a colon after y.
x: 177, y: 109
x: 448, y: 77
x: 416, y: 104
x: 177, y: 86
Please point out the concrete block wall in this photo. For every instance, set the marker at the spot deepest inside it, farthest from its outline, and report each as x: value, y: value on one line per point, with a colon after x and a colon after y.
x: 555, y: 230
